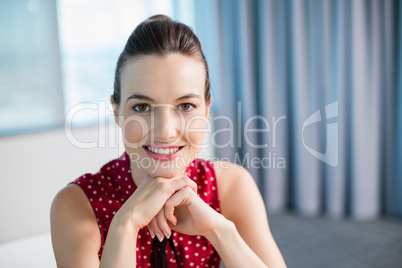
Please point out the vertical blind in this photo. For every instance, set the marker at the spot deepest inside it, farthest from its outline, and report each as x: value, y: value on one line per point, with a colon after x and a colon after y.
x: 326, y: 76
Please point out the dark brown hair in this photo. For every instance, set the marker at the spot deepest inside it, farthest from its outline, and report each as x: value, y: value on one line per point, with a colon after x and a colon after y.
x: 160, y: 35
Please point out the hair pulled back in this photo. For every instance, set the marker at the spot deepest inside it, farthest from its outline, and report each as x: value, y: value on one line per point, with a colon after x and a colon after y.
x: 160, y: 35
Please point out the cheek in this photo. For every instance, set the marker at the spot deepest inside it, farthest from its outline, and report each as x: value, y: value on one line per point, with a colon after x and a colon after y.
x: 134, y: 129
x: 195, y: 132
x: 197, y: 140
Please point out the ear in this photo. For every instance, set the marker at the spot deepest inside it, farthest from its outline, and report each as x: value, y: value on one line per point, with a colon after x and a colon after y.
x: 115, y: 110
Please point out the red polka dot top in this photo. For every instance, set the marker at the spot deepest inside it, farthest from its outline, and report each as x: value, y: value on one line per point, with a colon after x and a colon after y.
x: 108, y: 189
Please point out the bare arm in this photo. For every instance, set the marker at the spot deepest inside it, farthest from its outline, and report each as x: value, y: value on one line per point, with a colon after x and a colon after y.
x: 75, y: 233
x: 76, y: 237
x: 232, y: 249
x: 120, y: 245
x: 242, y: 204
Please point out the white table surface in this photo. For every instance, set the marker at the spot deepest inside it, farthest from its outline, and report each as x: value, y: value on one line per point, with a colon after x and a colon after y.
x: 35, y: 251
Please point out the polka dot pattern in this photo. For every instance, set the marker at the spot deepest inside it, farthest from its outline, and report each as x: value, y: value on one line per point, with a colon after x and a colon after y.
x: 108, y: 189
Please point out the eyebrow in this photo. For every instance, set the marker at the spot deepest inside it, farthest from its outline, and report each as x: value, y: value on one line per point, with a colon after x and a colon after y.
x: 143, y: 97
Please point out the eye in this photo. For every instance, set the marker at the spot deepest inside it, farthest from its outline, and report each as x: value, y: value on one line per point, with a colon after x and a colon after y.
x: 186, y: 106
x: 142, y: 108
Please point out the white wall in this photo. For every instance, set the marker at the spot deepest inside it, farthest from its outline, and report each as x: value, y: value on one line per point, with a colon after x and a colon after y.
x: 33, y: 168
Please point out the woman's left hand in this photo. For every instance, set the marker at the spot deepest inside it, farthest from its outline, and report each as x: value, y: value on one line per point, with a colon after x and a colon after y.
x: 190, y: 214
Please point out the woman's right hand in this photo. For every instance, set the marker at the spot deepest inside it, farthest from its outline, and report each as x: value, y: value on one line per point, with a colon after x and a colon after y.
x: 144, y: 207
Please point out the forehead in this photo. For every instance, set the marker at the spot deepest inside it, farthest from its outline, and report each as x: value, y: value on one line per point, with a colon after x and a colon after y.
x: 163, y: 78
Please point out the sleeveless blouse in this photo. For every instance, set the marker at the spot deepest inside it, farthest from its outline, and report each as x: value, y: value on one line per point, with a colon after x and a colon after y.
x: 108, y: 189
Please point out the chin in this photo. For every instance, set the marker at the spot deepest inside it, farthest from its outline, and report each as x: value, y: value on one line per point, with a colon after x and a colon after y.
x: 166, y: 169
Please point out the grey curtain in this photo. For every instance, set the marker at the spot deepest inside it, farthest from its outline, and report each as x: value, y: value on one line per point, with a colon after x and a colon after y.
x: 318, y: 84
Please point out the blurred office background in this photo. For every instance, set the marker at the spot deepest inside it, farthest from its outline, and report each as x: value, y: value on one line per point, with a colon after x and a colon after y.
x: 320, y: 80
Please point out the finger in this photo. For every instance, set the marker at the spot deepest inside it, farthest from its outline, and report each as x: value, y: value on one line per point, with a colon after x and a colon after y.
x: 170, y: 186
x: 179, y: 198
x: 162, y: 223
x: 187, y: 182
x: 153, y: 227
x: 193, y: 185
x: 151, y: 232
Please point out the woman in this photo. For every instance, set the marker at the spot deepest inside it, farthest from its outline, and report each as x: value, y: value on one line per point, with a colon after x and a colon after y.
x: 157, y: 204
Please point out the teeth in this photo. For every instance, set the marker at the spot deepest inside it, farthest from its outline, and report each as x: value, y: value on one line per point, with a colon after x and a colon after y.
x: 162, y: 151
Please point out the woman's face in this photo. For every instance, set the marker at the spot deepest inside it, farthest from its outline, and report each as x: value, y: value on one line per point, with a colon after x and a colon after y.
x: 162, y: 113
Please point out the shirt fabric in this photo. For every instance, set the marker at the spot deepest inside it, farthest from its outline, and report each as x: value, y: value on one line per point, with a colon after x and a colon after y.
x: 108, y: 189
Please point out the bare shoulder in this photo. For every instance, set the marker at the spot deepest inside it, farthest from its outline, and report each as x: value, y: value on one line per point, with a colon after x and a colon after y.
x: 70, y: 194
x: 71, y: 202
x: 235, y: 184
x: 230, y: 171
x: 75, y: 232
x: 231, y: 175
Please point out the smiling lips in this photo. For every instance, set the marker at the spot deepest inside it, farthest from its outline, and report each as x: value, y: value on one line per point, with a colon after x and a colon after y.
x: 163, y: 152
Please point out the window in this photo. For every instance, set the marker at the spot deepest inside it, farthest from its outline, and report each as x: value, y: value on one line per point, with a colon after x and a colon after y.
x: 58, y: 55
x: 90, y: 46
x: 30, y: 85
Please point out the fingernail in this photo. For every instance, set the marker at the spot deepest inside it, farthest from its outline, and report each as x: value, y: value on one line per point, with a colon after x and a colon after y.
x: 167, y: 236
x: 160, y: 238
x: 152, y: 234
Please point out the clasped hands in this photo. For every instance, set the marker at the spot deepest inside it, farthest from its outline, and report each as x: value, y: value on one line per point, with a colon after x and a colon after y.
x: 164, y: 205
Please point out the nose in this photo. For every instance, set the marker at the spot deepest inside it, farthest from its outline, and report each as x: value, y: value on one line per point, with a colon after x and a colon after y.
x: 166, y: 124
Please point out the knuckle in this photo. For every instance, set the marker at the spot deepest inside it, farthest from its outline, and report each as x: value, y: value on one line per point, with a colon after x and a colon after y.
x: 164, y: 187
x: 187, y: 180
x: 158, y: 180
x: 168, y: 204
x: 189, y: 192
